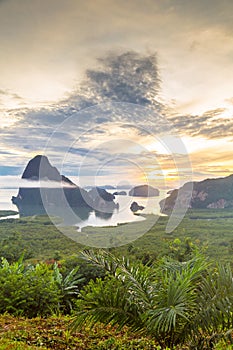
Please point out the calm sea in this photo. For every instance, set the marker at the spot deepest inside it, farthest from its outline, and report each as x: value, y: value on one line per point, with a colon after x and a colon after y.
x: 5, y: 199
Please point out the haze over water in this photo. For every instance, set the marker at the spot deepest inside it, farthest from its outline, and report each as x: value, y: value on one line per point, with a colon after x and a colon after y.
x: 124, y: 214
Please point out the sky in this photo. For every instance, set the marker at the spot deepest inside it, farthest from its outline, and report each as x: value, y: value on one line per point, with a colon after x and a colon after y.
x: 117, y: 91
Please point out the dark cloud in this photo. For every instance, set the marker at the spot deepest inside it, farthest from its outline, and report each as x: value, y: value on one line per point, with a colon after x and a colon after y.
x: 123, y: 90
x: 210, y: 124
x: 128, y: 77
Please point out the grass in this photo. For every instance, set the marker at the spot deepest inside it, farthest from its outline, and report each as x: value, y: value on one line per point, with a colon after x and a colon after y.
x: 54, y: 334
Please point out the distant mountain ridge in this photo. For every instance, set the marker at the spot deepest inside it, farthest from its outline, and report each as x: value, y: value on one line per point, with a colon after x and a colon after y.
x: 206, y: 194
x: 105, y: 187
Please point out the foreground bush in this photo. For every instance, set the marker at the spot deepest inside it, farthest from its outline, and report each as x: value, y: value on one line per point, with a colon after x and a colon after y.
x: 36, y: 290
x: 174, y: 302
x: 28, y: 291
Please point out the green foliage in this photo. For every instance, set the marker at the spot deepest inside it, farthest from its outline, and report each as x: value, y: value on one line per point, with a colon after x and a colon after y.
x: 215, y: 306
x: 36, y: 237
x: 86, y: 269
x: 170, y: 304
x: 13, y: 246
x: 185, y: 249
x: 175, y: 302
x: 40, y: 289
x: 4, y: 213
x: 28, y: 290
x: 40, y: 240
x: 68, y: 287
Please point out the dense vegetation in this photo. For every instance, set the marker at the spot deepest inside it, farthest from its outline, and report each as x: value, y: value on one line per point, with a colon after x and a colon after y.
x: 40, y: 240
x: 208, y: 193
x: 7, y: 213
x: 173, y: 303
x: 36, y: 290
x: 165, y: 292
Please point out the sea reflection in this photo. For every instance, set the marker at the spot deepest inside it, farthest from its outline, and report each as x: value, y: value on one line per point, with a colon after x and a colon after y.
x: 82, y: 217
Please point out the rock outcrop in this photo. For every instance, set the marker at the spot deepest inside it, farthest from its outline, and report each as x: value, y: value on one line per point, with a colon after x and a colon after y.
x: 120, y: 193
x: 98, y: 192
x: 39, y: 168
x: 206, y: 194
x: 60, y: 192
x: 102, y: 200
x: 170, y: 191
x: 135, y: 207
x: 144, y: 191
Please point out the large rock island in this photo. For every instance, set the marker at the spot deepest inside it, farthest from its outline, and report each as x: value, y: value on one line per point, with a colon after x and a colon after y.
x: 60, y: 192
x: 144, y: 191
x: 206, y: 194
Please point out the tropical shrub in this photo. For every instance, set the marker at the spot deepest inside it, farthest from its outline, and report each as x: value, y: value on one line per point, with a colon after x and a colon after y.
x: 86, y: 269
x: 68, y: 287
x: 175, y: 302
x: 27, y: 290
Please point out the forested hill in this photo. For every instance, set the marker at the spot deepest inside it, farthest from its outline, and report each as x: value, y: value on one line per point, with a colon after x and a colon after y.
x: 207, y: 194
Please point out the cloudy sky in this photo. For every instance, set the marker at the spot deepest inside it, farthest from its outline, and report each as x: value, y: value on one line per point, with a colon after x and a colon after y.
x: 116, y: 91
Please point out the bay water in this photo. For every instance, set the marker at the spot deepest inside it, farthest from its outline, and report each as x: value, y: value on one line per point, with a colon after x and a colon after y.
x: 121, y: 215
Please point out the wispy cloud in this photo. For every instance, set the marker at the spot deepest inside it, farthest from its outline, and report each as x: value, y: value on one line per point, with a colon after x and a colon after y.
x: 212, y: 124
x: 10, y: 94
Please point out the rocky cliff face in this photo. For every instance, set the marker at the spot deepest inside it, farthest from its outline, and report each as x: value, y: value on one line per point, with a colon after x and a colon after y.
x: 102, y: 200
x: 39, y: 168
x: 206, y: 194
x: 35, y: 200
